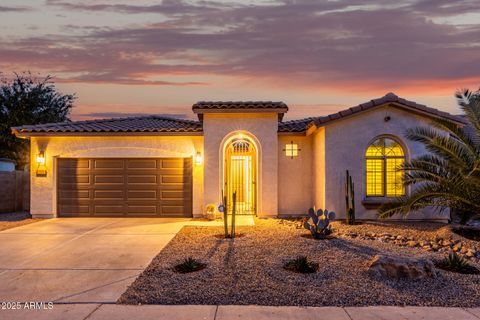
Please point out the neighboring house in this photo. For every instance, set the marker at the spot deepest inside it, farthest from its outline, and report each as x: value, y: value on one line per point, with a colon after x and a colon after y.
x: 158, y: 166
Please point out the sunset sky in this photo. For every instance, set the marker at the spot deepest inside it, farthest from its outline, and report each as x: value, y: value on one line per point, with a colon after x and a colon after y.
x: 159, y: 57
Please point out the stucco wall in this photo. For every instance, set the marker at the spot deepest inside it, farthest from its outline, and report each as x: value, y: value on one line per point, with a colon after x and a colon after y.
x: 345, y: 143
x: 295, y: 179
x: 318, y: 164
x: 43, y: 189
x: 263, y: 128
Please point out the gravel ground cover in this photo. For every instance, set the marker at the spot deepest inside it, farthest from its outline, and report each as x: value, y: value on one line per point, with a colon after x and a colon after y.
x: 15, y: 219
x: 249, y: 270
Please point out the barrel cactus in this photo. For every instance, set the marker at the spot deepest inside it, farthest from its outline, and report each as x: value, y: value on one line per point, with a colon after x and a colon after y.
x: 319, y: 223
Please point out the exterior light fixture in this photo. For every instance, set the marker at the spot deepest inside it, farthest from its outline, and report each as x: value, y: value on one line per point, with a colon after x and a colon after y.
x: 291, y: 150
x: 41, y: 165
x: 198, y: 158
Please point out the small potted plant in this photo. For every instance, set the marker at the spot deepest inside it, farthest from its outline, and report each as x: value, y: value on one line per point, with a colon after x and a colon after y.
x: 211, y: 210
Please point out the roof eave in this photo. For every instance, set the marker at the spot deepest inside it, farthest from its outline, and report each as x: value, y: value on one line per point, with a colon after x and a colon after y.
x: 399, y: 105
x: 240, y: 110
x: 26, y: 135
x: 450, y: 117
x: 291, y: 133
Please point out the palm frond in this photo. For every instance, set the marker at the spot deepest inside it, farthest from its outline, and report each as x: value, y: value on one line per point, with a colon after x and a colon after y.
x: 442, y: 145
x: 458, y: 133
x: 426, y: 195
x: 470, y: 104
x: 449, y: 176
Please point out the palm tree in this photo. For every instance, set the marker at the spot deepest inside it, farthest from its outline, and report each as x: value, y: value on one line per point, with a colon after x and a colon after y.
x: 449, y: 176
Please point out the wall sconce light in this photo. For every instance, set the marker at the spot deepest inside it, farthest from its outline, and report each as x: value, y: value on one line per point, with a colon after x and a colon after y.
x: 198, y: 158
x: 41, y: 165
x: 291, y: 150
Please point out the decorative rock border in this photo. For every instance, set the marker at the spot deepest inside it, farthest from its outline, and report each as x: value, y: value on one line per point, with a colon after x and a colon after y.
x: 439, y: 244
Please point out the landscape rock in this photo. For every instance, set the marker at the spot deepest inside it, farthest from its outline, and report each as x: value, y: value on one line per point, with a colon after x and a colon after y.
x: 396, y: 267
x: 446, y: 243
x: 412, y: 243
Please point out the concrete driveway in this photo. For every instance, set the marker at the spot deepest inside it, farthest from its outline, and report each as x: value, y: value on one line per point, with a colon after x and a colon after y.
x: 82, y: 260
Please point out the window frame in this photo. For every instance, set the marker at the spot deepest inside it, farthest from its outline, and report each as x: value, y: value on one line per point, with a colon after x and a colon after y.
x: 384, y: 168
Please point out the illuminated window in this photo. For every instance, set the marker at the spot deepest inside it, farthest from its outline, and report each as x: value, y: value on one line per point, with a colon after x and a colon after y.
x: 384, y: 178
x: 291, y: 150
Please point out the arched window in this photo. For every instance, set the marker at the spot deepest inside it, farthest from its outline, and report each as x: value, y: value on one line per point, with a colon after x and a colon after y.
x: 384, y: 179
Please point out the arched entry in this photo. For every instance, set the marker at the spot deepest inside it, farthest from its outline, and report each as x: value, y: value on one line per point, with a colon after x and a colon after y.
x: 240, y: 174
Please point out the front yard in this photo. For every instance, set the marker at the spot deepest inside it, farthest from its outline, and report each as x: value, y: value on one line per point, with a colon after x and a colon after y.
x: 250, y: 269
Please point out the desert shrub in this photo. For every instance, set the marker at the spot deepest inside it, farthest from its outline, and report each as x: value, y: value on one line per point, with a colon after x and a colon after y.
x: 456, y: 263
x: 301, y: 264
x: 189, y: 265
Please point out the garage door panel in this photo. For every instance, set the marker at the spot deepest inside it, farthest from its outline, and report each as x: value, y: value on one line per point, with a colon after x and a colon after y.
x: 109, y: 179
x: 141, y: 195
x: 174, y: 195
x: 142, y: 179
x: 75, y: 179
x: 110, y: 209
x: 108, y: 194
x: 74, y: 194
x: 174, y: 179
x: 142, y: 164
x: 172, y: 163
x: 109, y: 164
x: 125, y: 187
x: 74, y: 164
x: 75, y: 209
x: 142, y: 210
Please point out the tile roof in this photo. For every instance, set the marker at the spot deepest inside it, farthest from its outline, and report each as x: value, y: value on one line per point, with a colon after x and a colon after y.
x: 146, y: 124
x: 301, y: 125
x: 388, y: 98
x: 293, y: 126
x: 157, y: 124
x: 239, y: 105
x: 202, y: 107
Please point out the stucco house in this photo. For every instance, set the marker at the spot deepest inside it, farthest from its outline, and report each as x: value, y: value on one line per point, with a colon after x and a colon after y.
x: 164, y: 167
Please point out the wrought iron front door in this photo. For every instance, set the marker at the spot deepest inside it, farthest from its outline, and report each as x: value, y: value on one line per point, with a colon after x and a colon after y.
x: 240, y: 176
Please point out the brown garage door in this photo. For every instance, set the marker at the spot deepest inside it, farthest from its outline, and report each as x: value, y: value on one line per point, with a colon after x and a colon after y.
x: 125, y: 187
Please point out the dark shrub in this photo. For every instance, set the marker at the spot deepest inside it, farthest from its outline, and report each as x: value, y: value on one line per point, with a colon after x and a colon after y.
x: 468, y: 232
x: 189, y: 265
x: 456, y: 263
x: 301, y: 265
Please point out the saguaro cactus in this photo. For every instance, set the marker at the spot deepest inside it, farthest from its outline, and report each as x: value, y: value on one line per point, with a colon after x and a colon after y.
x: 234, y: 209
x: 225, y: 214
x: 349, y: 199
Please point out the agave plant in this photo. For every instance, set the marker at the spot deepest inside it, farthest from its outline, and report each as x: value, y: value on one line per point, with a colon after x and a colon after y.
x: 449, y: 176
x: 189, y: 265
x: 301, y: 264
x: 319, y: 223
x: 455, y: 263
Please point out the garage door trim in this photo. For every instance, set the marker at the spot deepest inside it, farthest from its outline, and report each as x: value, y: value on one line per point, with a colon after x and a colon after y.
x: 124, y: 187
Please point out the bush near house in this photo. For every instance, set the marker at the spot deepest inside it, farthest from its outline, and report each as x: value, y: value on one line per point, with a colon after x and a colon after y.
x: 28, y: 100
x: 448, y: 177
